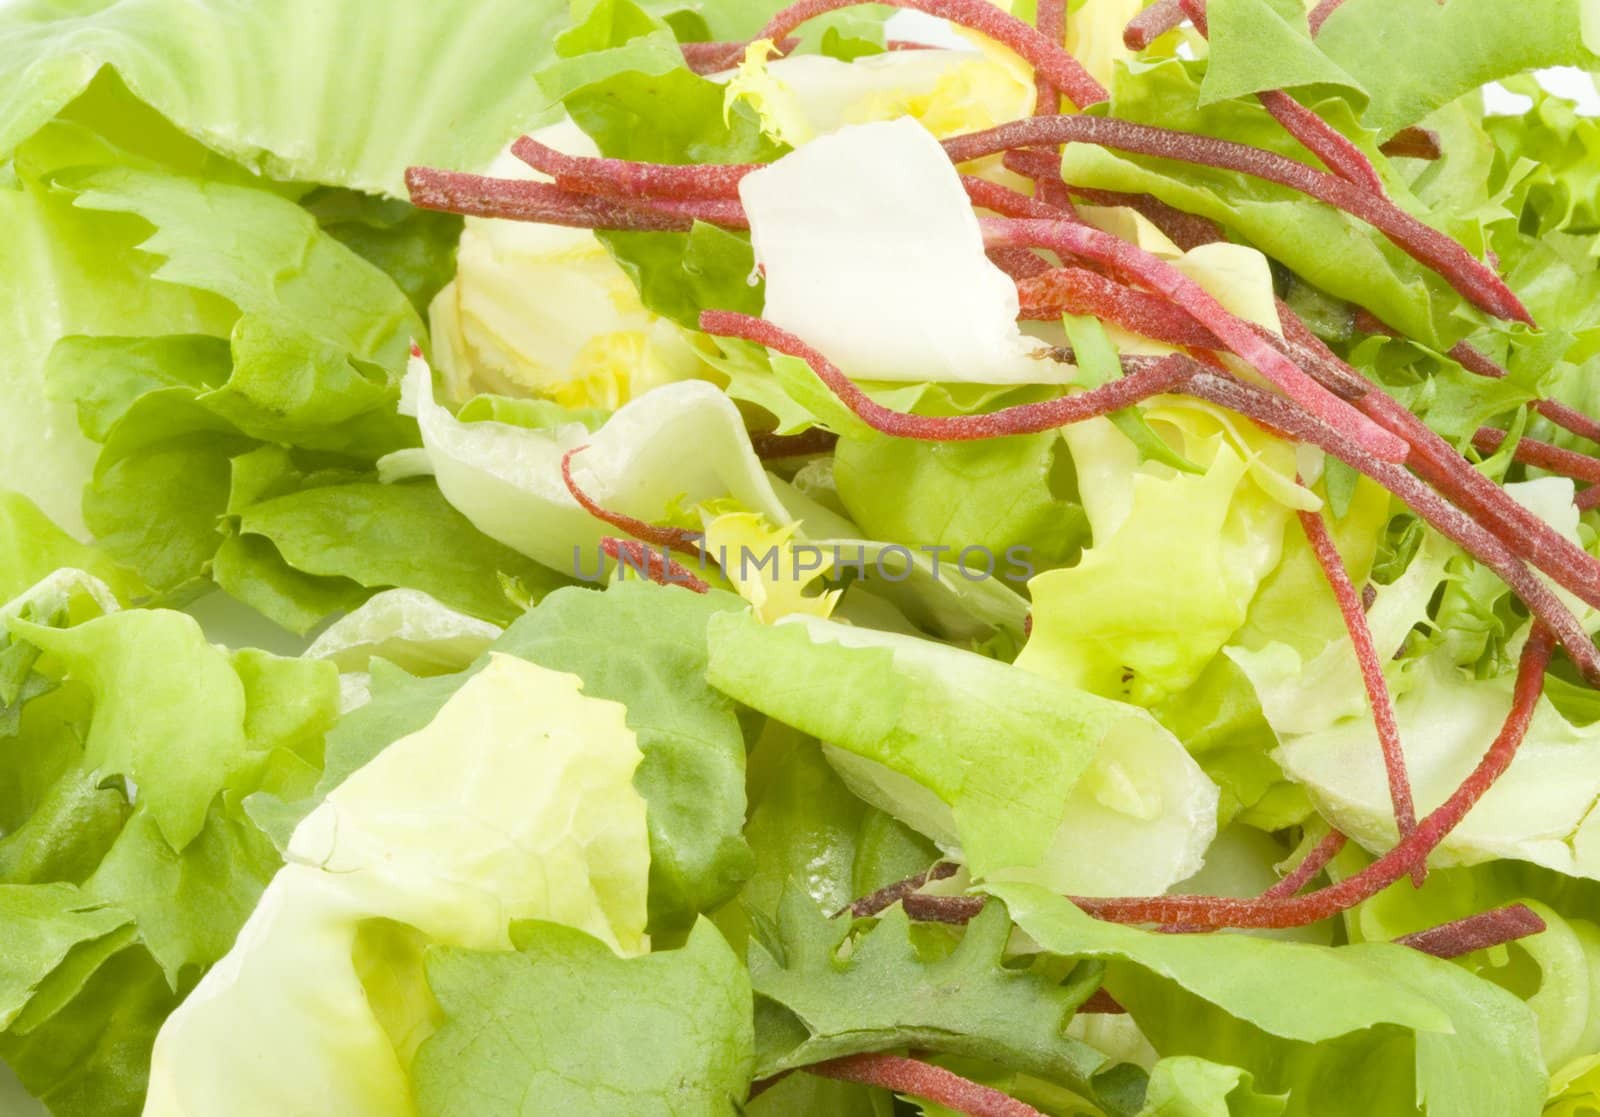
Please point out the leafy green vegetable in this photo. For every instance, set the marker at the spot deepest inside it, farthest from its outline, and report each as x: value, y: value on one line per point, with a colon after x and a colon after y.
x: 563, y: 1019
x: 883, y: 994
x: 1184, y: 1086
x: 1029, y: 779
x: 1403, y: 59
x: 498, y: 770
x: 1370, y: 1029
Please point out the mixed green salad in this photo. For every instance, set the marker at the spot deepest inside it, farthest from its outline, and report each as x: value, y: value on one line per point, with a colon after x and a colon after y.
x: 704, y: 557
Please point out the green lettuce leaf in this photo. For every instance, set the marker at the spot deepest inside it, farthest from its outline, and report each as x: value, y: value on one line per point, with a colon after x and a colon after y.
x: 1331, y: 250
x: 1367, y: 1029
x: 339, y: 999
x: 1029, y: 779
x: 883, y: 994
x: 1184, y: 1086
x: 48, y: 923
x: 441, y: 87
x: 1402, y: 58
x: 561, y: 1018
x: 645, y: 646
x: 1125, y: 622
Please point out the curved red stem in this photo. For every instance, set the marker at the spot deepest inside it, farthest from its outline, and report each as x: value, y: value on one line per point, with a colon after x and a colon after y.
x: 1371, y: 664
x: 548, y: 204
x: 1543, y: 455
x: 1314, y: 862
x: 1319, y: 15
x: 1057, y: 291
x: 925, y: 1081
x: 1474, y: 279
x: 1049, y: 60
x: 1313, y: 907
x: 673, y: 538
x: 1160, y: 375
x: 1134, y: 264
x: 654, y: 564
x: 1152, y: 23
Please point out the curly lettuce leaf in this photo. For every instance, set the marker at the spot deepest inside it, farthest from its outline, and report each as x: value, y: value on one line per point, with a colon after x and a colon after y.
x: 1028, y: 779
x: 340, y: 1001
x: 1366, y: 1029
x: 1126, y: 622
x: 882, y: 993
x: 563, y: 1019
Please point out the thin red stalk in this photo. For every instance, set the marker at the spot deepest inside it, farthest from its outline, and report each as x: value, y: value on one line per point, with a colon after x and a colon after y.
x: 889, y: 895
x: 1589, y: 499
x: 1412, y: 143
x: 1057, y: 291
x: 625, y: 178
x: 1186, y: 230
x: 673, y: 538
x: 1012, y: 203
x: 1313, y: 863
x: 925, y: 1081
x: 1152, y: 23
x: 1049, y: 60
x: 1102, y: 1003
x: 1319, y: 15
x: 1316, y: 135
x: 1531, y: 451
x: 1313, y: 907
x: 1029, y: 418
x: 1476, y: 932
x: 542, y: 202
x: 770, y: 447
x: 1051, y: 20
x: 953, y: 910
x: 1136, y: 265
x: 655, y: 564
x: 1468, y: 275
x: 1281, y: 416
x: 1524, y: 532
x: 1477, y: 362
x: 711, y: 58
x: 1322, y: 139
x: 1518, y: 529
x: 1371, y: 664
x: 1018, y: 263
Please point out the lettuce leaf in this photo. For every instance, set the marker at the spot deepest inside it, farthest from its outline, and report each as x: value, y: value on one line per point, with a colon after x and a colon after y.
x: 1365, y: 1029
x: 441, y: 87
x: 1401, y: 59
x: 882, y: 993
x: 1028, y: 779
x: 563, y: 1019
x: 1125, y: 622
x: 340, y: 1001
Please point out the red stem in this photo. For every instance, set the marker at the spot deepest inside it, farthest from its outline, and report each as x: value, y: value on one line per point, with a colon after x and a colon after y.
x: 1057, y: 291
x: 1186, y: 230
x: 1049, y: 60
x: 1240, y: 338
x: 1011, y: 203
x: 1152, y: 23
x: 545, y: 203
x: 1468, y: 275
x: 1319, y: 15
x: 623, y: 178
x: 1018, y: 263
x: 1476, y: 932
x: 1313, y: 863
x: 711, y: 57
x: 673, y: 538
x: 655, y: 564
x: 1029, y: 418
x: 1280, y: 416
x: 891, y: 894
x: 1313, y: 907
x: 1531, y: 451
x: 770, y: 447
x: 925, y: 1081
x: 1316, y: 135
x: 1371, y: 664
